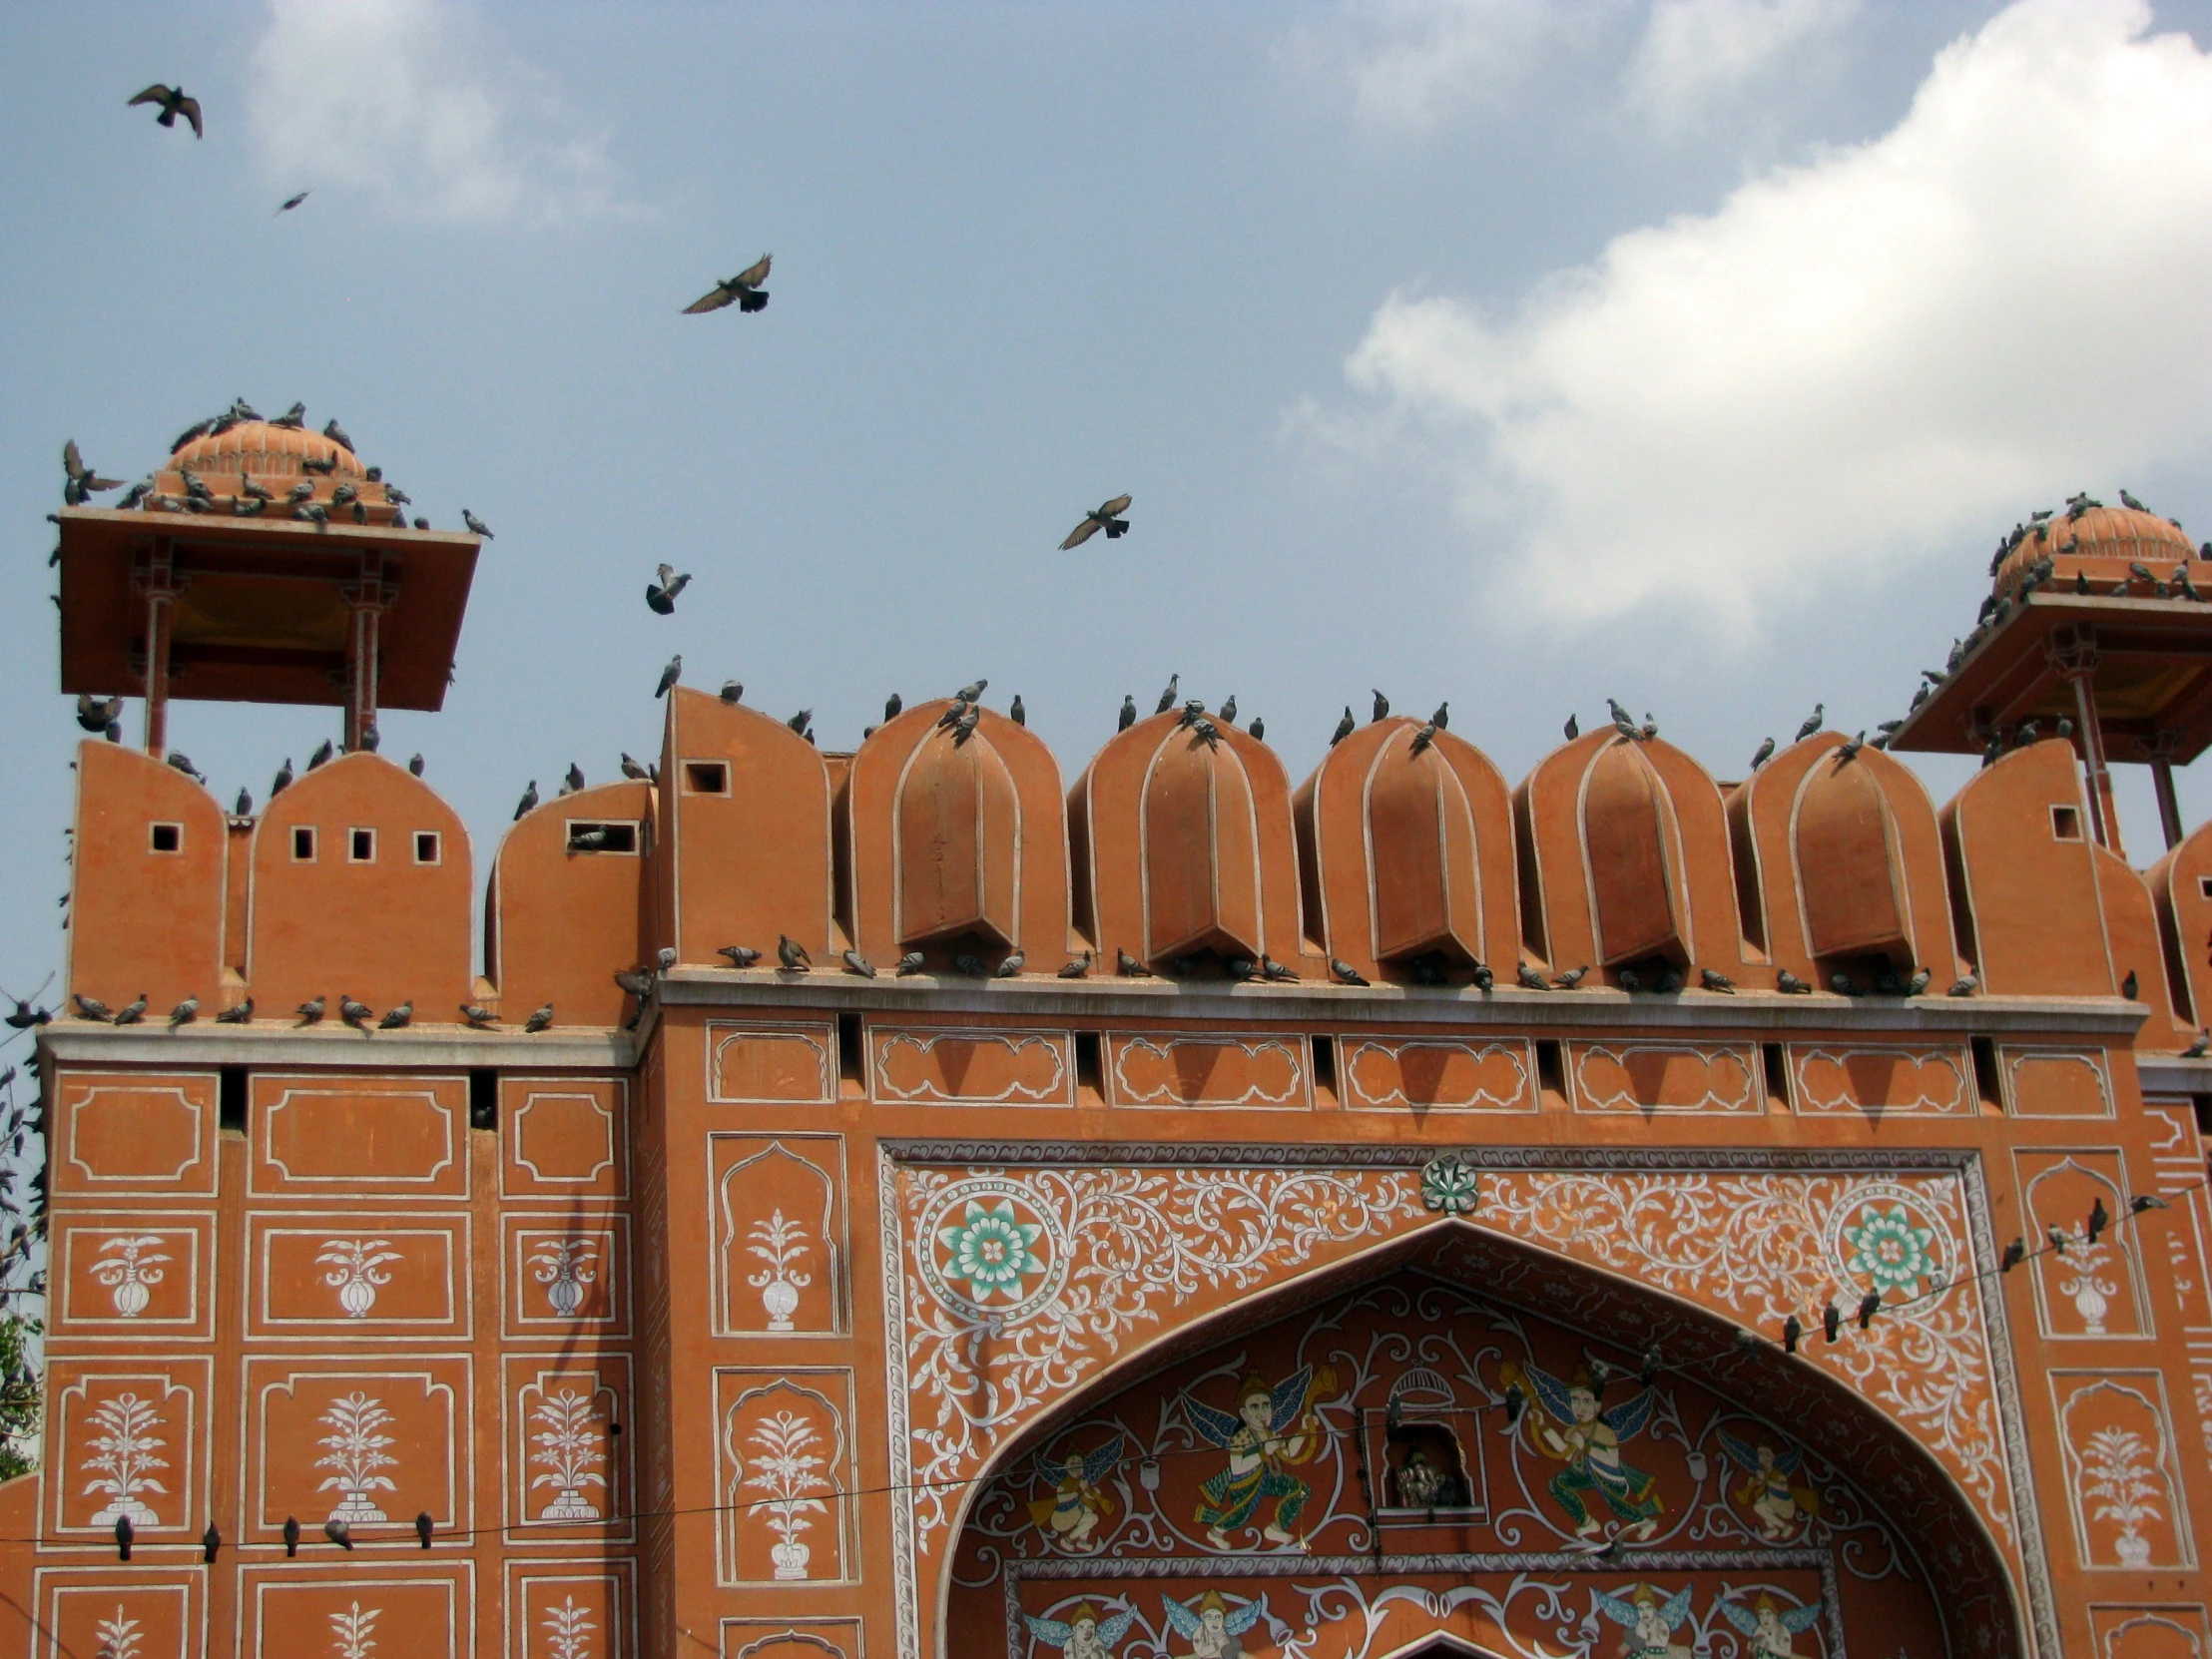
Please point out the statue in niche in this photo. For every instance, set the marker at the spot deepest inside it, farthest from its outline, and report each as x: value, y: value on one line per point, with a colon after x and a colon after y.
x: 1083, y: 1634
x: 1419, y: 1482
x: 1262, y: 1445
x: 1210, y: 1625
x: 1770, y: 1627
x: 1589, y: 1444
x: 1770, y: 1487
x: 1071, y: 1517
x: 1649, y: 1622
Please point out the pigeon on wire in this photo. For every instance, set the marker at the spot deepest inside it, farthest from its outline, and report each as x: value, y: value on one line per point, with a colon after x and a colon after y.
x: 742, y: 290
x: 660, y: 596
x: 80, y: 483
x: 1105, y: 516
x: 174, y: 103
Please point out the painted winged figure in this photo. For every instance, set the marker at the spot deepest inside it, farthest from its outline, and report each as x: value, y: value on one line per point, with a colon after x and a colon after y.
x: 1071, y: 1514
x: 1083, y: 1634
x: 1271, y: 1429
x: 1589, y: 1442
x: 1770, y: 1627
x: 1212, y: 1625
x: 1771, y: 1486
x: 1650, y: 1623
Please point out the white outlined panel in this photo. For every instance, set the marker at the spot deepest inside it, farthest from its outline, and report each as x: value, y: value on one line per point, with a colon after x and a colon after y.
x: 785, y: 1064
x: 564, y: 1138
x: 132, y: 1276
x: 136, y: 1132
x: 328, y: 1276
x: 566, y: 1276
x: 359, y: 1139
x: 781, y: 1233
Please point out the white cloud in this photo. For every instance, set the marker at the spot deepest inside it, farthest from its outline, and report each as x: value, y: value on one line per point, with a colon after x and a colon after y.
x: 1855, y: 364
x: 1411, y: 63
x: 403, y: 98
x: 1695, y: 52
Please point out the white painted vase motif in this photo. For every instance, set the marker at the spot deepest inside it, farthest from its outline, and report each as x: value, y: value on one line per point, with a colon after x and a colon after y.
x: 790, y: 1558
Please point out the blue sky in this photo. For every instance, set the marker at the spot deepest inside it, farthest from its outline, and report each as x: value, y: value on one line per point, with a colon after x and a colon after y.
x: 1695, y: 353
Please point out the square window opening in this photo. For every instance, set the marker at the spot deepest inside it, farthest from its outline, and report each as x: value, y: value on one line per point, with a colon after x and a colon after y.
x: 360, y: 847
x: 2204, y: 886
x: 2065, y: 823
x: 427, y: 846
x: 165, y: 838
x: 706, y: 778
x: 302, y: 844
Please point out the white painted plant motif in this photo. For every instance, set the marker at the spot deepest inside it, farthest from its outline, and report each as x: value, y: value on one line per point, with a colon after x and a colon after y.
x: 130, y: 1272
x: 565, y: 1267
x: 2117, y: 1470
x: 118, y: 1637
x: 123, y: 1452
x: 357, y: 1272
x: 788, y: 1469
x: 568, y: 1629
x: 2091, y: 1294
x: 355, y: 1449
x: 569, y: 1449
x: 353, y: 1633
x: 778, y: 1243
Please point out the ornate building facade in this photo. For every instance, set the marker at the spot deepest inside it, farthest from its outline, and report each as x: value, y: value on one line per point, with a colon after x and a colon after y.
x: 1301, y: 1280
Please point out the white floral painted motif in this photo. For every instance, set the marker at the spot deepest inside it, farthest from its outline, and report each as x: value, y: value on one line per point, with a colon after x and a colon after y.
x: 356, y: 1451
x: 778, y: 1243
x: 121, y: 1453
x: 130, y: 1274
x: 357, y: 1272
x: 570, y: 1449
x: 568, y: 1629
x: 565, y: 1267
x: 353, y: 1633
x: 788, y: 1469
x: 119, y: 1636
x: 2117, y: 1469
x: 2079, y: 1280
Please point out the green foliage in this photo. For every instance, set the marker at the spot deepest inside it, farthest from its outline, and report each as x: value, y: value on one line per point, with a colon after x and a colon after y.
x: 21, y: 1400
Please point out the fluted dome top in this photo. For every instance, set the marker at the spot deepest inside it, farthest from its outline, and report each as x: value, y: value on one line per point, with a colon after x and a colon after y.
x: 2097, y: 541
x: 262, y: 448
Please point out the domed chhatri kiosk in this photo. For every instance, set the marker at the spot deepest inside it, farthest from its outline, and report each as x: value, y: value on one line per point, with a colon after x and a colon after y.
x: 1397, y: 1212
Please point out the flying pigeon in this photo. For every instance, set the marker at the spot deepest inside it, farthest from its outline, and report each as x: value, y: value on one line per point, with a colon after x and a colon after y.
x: 1105, y: 516
x: 660, y: 597
x: 79, y: 482
x: 173, y: 103
x: 285, y: 207
x: 96, y: 714
x: 744, y: 290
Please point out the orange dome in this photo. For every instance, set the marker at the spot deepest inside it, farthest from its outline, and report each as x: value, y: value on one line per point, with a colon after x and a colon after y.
x: 2100, y: 543
x: 256, y: 446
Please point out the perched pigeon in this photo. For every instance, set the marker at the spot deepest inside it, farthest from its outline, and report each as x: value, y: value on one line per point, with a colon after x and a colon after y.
x: 1844, y: 985
x: 1381, y: 706
x: 476, y: 526
x: 1789, y: 984
x: 856, y: 964
x: 1270, y: 968
x: 1079, y: 968
x: 397, y: 1019
x: 801, y: 721
x: 283, y: 779
x: 414, y: 766
x: 1228, y: 710
x: 733, y: 692
x: 355, y: 1014
x: 744, y: 290
x: 479, y: 1019
x: 182, y: 762
x: 1484, y: 977
x: 529, y: 802
x: 91, y: 1007
x: 2128, y: 988
x: 539, y: 1020
x: 1166, y: 698
x: 1530, y: 980
x: 670, y: 675
x: 1345, y: 974
x: 791, y: 953
x: 184, y: 1012
x: 631, y: 768
x: 911, y: 964
x: 1766, y: 754
x: 1573, y: 728
x: 1714, y: 980
x: 1423, y: 736
x: 1128, y: 714
x: 741, y: 957
x: 311, y: 1012
x: 239, y: 1014
x: 1812, y: 722
x: 1344, y: 728
x: 1010, y: 968
x: 573, y: 783
x: 1105, y: 516
x: 338, y: 435
x: 973, y: 967
x: 293, y: 420
x: 894, y: 706
x: 1016, y: 713
x: 1258, y: 730
x: 1129, y: 967
x: 174, y: 103
x: 1572, y: 979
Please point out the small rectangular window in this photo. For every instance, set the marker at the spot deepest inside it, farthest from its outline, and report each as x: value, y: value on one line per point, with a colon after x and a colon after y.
x: 851, y: 1056
x: 165, y: 838
x: 2065, y: 823
x: 425, y: 846
x: 1551, y: 1067
x: 2204, y: 886
x: 1987, y: 1081
x: 1090, y: 1065
x: 231, y: 1100
x: 360, y: 847
x: 302, y: 844
x: 706, y: 778
x: 586, y: 836
x: 1325, y: 1066
x: 1777, y: 1067
x: 483, y: 1098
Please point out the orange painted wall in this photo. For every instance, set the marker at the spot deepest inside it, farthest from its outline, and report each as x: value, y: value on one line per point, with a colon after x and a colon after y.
x: 143, y: 920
